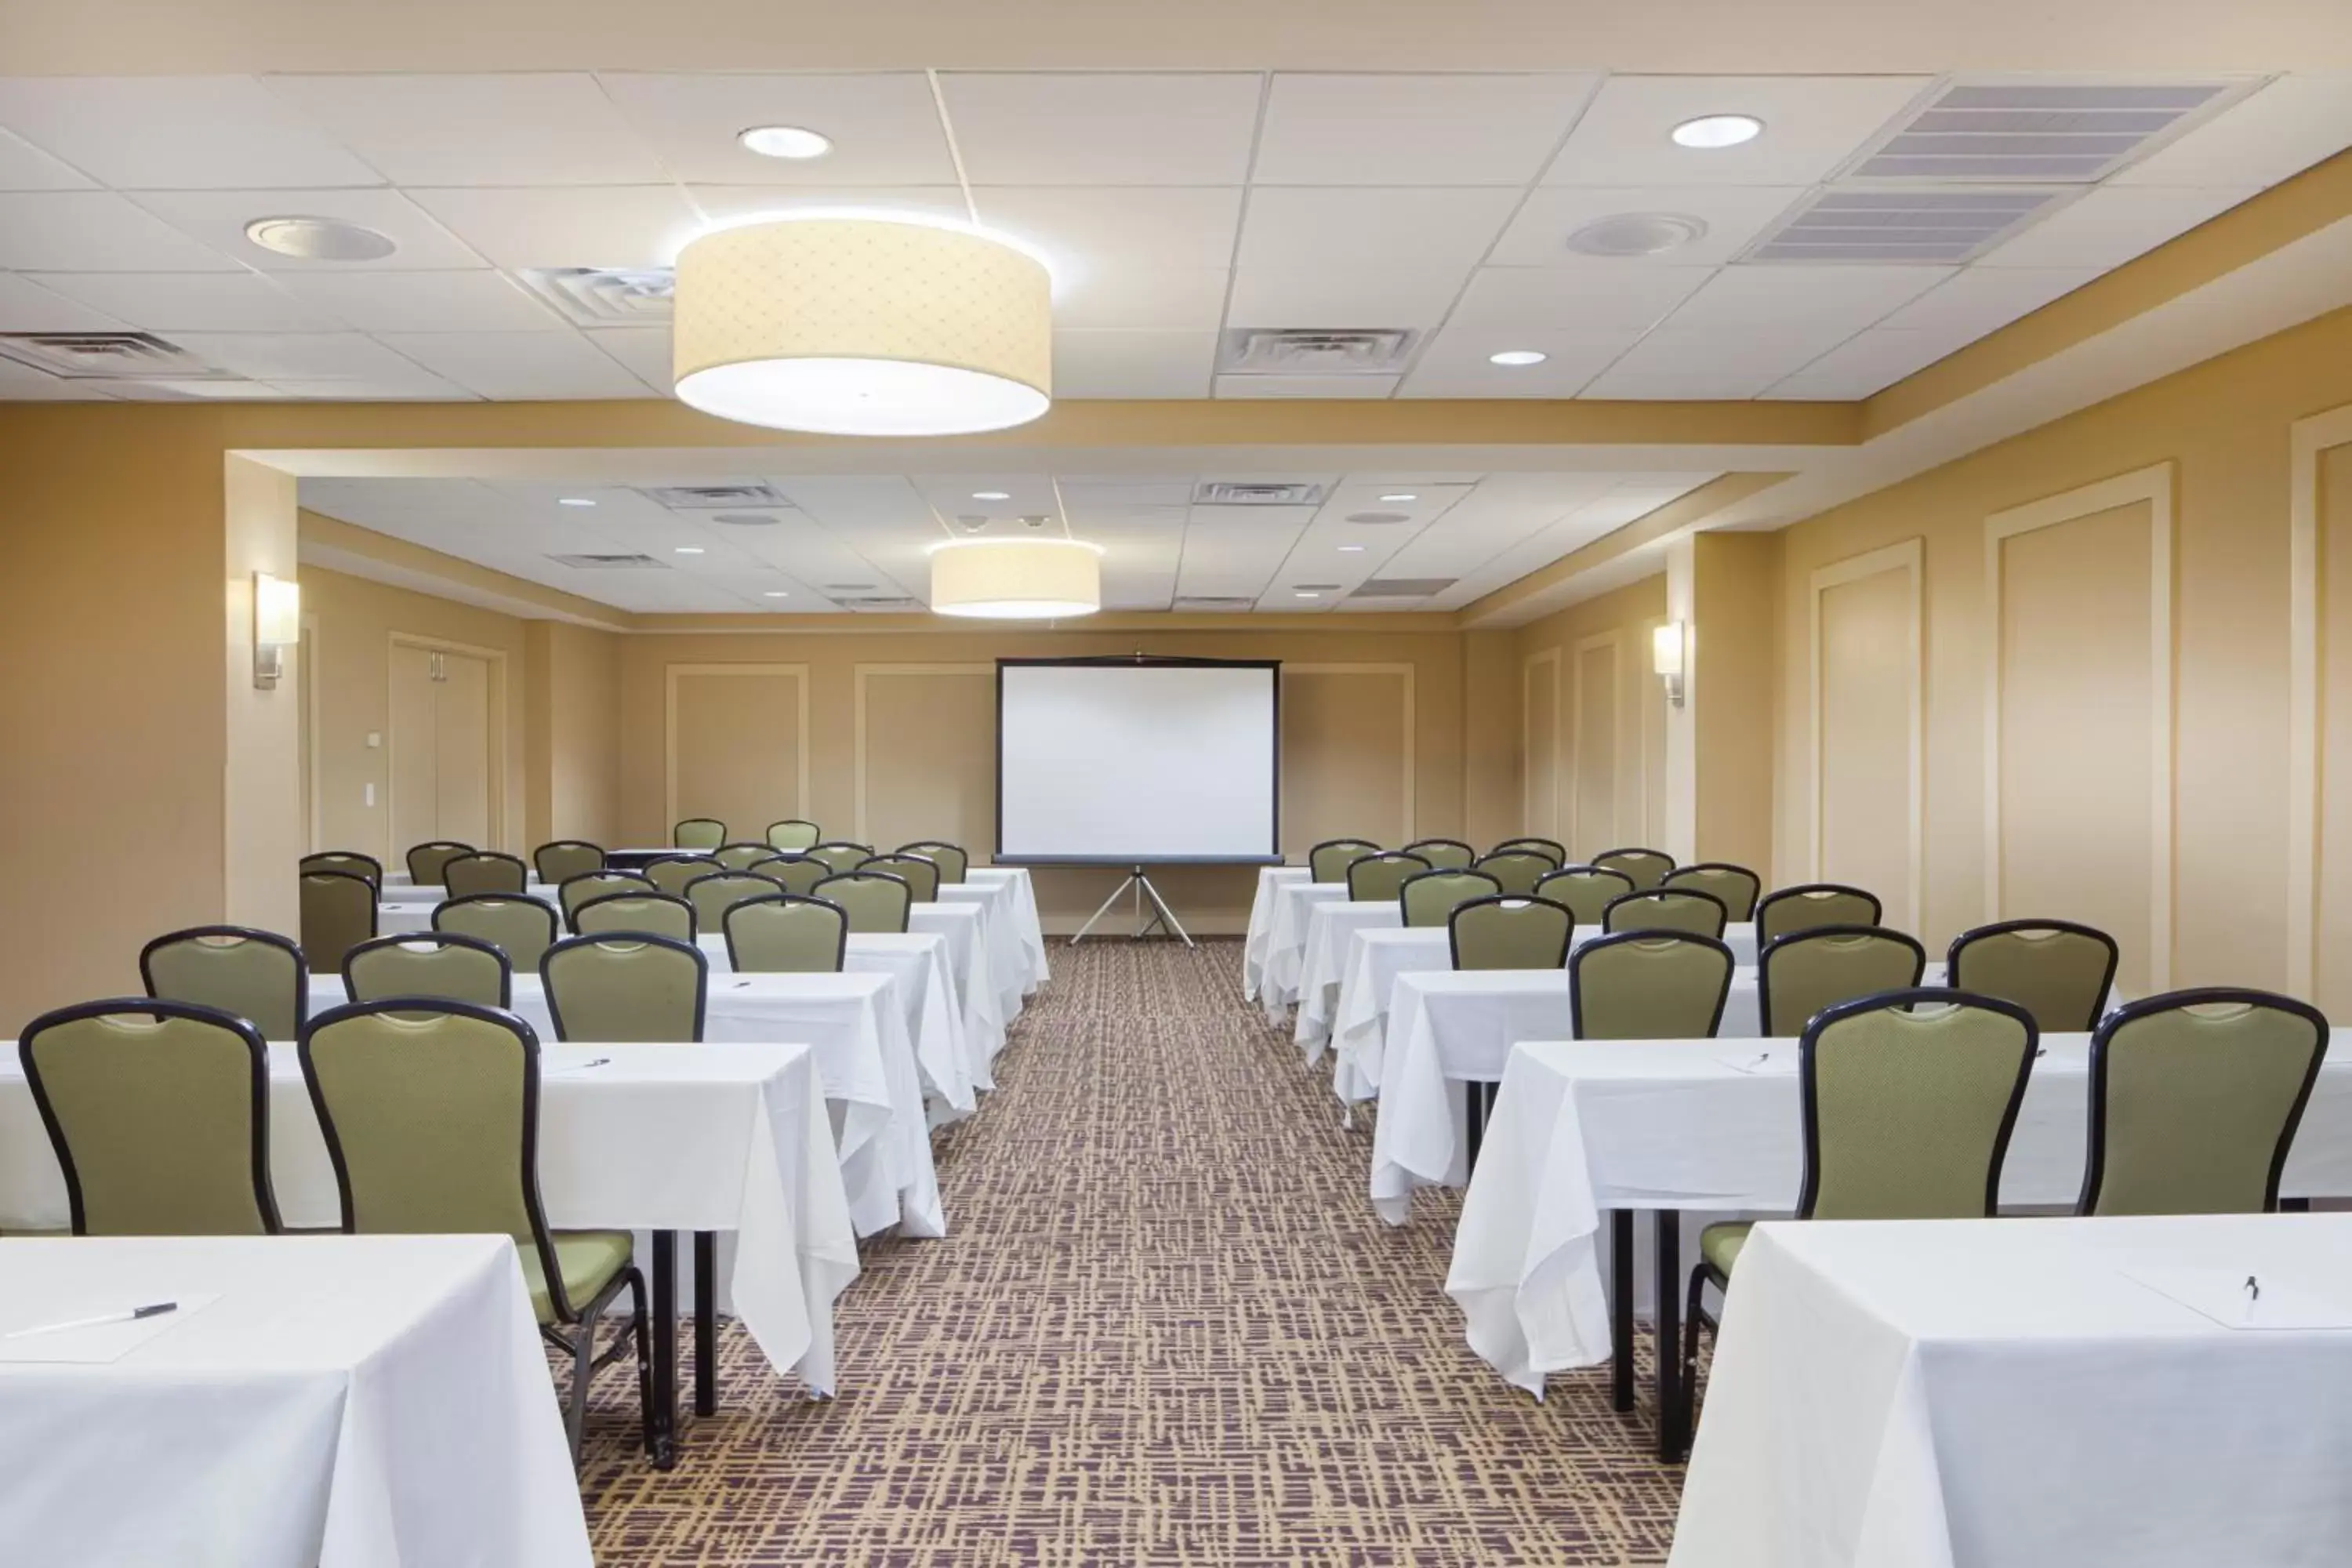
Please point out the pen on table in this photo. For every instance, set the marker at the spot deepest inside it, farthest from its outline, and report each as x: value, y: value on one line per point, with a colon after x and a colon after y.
x: 1761, y: 1058
x: 2253, y: 1290
x: 136, y: 1314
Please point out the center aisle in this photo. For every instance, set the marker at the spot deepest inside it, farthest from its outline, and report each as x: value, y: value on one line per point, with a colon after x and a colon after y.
x: 1167, y: 1329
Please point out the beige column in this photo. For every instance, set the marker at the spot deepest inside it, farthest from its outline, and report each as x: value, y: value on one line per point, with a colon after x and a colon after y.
x: 1724, y: 587
x: 262, y: 836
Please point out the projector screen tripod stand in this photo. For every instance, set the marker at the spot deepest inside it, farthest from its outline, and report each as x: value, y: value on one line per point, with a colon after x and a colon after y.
x: 1164, y: 917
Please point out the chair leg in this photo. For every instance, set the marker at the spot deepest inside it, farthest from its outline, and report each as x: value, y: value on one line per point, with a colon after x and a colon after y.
x: 1694, y: 1314
x: 638, y: 1325
x: 576, y: 1409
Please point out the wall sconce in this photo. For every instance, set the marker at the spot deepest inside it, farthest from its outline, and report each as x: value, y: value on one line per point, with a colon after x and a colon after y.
x: 1668, y: 644
x: 277, y: 625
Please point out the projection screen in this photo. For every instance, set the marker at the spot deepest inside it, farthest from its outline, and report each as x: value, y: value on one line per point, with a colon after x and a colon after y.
x: 1114, y: 762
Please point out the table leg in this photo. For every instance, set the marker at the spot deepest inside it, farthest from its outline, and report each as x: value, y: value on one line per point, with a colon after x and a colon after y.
x: 1621, y: 1308
x: 1473, y: 1097
x: 705, y: 1322
x: 664, y: 1272
x: 1667, y: 1232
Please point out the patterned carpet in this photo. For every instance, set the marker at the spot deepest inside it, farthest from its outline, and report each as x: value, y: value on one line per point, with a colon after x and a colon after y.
x: 1166, y: 1328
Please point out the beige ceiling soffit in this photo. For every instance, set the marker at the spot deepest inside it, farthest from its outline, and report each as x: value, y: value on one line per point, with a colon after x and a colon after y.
x: 340, y: 546
x: 1551, y: 587
x: 1118, y: 623
x: 2287, y: 212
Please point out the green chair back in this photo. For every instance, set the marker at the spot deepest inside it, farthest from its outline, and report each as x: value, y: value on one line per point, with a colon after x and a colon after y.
x: 1812, y: 906
x: 257, y: 975
x: 431, y: 1121
x: 792, y: 833
x: 159, y: 1114
x: 1798, y: 977
x: 799, y: 873
x: 1735, y: 887
x: 781, y: 934
x: 645, y: 912
x: 714, y: 895
x: 672, y: 873
x: 442, y: 965
x: 742, y: 856
x: 1516, y: 872
x: 1908, y: 1100
x: 876, y: 902
x: 1375, y: 878
x: 1509, y: 931
x: 484, y: 872
x: 426, y: 860
x: 517, y: 925
x: 1666, y: 908
x: 1444, y: 854
x: 574, y: 892
x: 1430, y: 898
x: 920, y: 873
x: 954, y: 863
x: 2195, y: 1099
x: 2057, y: 971
x: 1328, y: 861
x: 337, y: 914
x: 1551, y: 849
x: 563, y: 859
x: 1649, y: 986
x: 842, y: 855
x: 1646, y: 869
x: 350, y: 862
x: 624, y: 988
x: 698, y: 833
x: 1588, y: 891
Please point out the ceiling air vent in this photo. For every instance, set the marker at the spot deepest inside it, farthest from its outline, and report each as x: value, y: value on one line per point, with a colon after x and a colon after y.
x: 1402, y: 587
x: 716, y: 497
x: 107, y: 356
x: 880, y: 601
x: 1290, y: 351
x: 1936, y: 227
x: 746, y: 519
x: 1246, y: 492
x: 609, y: 562
x: 605, y: 296
x: 2071, y: 132
x: 1380, y: 519
x: 1213, y: 602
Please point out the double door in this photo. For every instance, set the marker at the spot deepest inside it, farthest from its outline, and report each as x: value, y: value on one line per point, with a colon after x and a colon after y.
x: 442, y: 767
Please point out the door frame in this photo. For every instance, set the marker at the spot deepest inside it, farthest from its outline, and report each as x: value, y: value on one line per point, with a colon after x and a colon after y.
x: 496, y: 659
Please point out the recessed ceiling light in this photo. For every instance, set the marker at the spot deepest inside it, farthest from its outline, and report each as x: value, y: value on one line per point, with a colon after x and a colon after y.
x: 1351, y: 550
x: 1517, y: 357
x: 319, y: 238
x: 1402, y: 495
x: 992, y: 495
x: 1636, y: 234
x: 573, y: 501
x: 785, y: 142
x: 776, y: 593
x: 1302, y: 593
x: 689, y: 549
x: 1710, y: 132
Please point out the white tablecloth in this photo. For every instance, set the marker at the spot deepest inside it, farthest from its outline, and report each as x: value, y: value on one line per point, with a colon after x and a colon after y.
x: 965, y: 927
x: 1026, y: 924
x: 1584, y: 1127
x: 1009, y: 965
x: 1260, y: 922
x: 718, y: 1138
x: 917, y: 963
x: 1332, y: 927
x: 346, y: 1402
x: 1968, y: 1394
x: 1286, y: 943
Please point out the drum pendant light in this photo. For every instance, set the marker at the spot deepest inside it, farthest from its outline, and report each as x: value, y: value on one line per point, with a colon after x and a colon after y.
x: 1016, y: 579
x: 863, y: 326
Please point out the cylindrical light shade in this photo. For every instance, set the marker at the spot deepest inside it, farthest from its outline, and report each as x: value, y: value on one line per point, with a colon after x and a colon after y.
x: 863, y: 326
x: 1016, y: 579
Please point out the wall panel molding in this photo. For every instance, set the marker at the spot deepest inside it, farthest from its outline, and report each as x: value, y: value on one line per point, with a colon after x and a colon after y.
x: 860, y: 676
x: 2308, y: 440
x: 1412, y: 747
x: 1583, y: 842
x: 1905, y: 557
x: 1548, y: 822
x: 671, y: 674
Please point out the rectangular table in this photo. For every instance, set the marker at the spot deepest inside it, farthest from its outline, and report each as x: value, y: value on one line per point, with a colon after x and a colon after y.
x: 1008, y: 960
x: 1957, y: 1393
x: 1260, y: 922
x: 1025, y: 922
x: 965, y: 927
x: 1286, y: 943
x: 339, y: 1402
x: 1583, y: 1128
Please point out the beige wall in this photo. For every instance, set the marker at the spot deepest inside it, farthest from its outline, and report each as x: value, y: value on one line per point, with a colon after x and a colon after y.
x: 571, y: 717
x: 1591, y: 723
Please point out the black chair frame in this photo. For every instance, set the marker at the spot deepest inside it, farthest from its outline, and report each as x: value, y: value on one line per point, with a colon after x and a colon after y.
x: 554, y: 924
x: 2006, y: 928
x: 1748, y: 872
x: 877, y: 876
x: 375, y: 877
x: 563, y: 899
x: 1615, y: 939
x: 841, y: 946
x: 693, y: 921
x: 409, y: 860
x: 1878, y: 909
x: 1453, y: 936
x: 634, y: 939
x: 1820, y: 933
x: 564, y: 843
x: 287, y: 945
x: 437, y: 938
x: 1383, y: 857
x: 1652, y: 895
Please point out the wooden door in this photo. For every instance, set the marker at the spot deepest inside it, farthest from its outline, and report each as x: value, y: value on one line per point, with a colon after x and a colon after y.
x: 462, y: 749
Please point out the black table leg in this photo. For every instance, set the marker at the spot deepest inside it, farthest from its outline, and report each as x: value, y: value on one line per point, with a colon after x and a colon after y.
x: 1621, y: 1308
x: 1666, y: 1230
x: 1474, y: 1099
x: 665, y: 1348
x: 705, y: 1322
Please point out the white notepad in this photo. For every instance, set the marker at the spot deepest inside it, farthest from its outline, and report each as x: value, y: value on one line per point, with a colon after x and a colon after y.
x: 96, y: 1345
x: 2223, y: 1296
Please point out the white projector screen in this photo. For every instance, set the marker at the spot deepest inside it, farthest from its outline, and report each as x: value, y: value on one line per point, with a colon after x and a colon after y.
x: 1114, y: 762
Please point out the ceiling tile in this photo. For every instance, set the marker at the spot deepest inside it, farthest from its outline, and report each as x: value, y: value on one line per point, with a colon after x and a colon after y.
x: 1457, y: 363
x: 1733, y: 215
x: 194, y: 301
x: 1361, y: 296
x: 94, y: 231
x: 1308, y: 230
x: 519, y: 365
x: 1134, y: 298
x: 1450, y: 129
x: 1812, y: 125
x: 1090, y: 364
x: 476, y: 301
x: 1802, y: 298
x: 416, y: 385
x: 297, y: 356
x: 22, y: 384
x: 723, y: 203
x: 2111, y: 225
x: 1978, y: 300
x: 1864, y: 364
x: 1330, y: 386
x: 1090, y: 230
x: 218, y: 219
x: 1106, y: 128
x: 644, y: 352
x: 24, y: 167
x: 26, y: 307
x: 617, y: 225
x: 177, y: 132
x: 1600, y: 301
x: 479, y: 129
x: 1709, y: 363
x: 885, y: 127
x: 2280, y: 129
